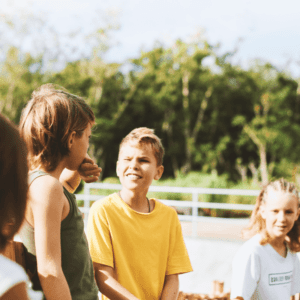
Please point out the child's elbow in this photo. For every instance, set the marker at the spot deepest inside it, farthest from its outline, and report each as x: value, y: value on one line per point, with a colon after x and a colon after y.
x: 49, y: 269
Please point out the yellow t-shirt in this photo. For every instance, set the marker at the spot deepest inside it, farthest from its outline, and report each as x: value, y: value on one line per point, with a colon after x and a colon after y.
x: 141, y: 247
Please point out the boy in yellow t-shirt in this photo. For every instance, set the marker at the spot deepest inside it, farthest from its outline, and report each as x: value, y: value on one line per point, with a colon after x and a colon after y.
x: 136, y: 243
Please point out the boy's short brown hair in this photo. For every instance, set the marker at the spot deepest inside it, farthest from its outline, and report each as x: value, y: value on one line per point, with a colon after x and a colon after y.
x: 144, y: 135
x: 47, y: 121
x: 13, y: 180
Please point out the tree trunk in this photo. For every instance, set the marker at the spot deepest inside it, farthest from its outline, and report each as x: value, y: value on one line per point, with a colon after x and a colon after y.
x: 263, y: 164
x: 242, y: 170
x: 186, y: 130
x: 191, y: 137
x: 262, y: 153
x: 167, y: 127
x: 271, y: 165
x: 254, y: 172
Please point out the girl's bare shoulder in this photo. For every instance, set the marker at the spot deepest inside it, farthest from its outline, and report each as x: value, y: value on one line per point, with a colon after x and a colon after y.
x: 46, y: 189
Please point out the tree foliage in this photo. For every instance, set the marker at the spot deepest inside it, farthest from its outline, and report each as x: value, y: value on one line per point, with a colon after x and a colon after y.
x: 236, y: 122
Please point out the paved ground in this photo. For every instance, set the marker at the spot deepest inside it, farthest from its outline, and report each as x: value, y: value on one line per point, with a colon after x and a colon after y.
x: 211, y: 252
x: 216, y: 229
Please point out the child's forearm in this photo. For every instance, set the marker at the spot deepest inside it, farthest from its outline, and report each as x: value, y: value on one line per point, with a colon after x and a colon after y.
x: 171, y: 288
x: 70, y: 180
x: 112, y: 289
x: 55, y: 287
x: 109, y: 286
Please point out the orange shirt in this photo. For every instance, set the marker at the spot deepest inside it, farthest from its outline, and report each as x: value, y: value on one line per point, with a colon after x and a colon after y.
x: 141, y: 247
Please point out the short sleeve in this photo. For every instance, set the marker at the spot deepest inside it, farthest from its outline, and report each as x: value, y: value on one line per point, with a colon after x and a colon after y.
x: 98, y: 234
x: 245, y: 274
x: 296, y: 276
x: 178, y: 258
x: 11, y: 274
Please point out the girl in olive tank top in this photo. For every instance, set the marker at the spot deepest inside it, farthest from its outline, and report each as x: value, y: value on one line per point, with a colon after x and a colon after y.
x: 56, y: 127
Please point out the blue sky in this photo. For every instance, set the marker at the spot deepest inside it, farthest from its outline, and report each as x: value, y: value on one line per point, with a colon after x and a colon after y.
x: 262, y: 29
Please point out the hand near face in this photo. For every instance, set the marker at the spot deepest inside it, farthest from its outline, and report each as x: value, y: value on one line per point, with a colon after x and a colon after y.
x: 89, y: 171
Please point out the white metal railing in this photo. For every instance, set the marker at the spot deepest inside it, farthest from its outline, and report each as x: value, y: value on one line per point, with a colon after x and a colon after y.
x: 194, y: 204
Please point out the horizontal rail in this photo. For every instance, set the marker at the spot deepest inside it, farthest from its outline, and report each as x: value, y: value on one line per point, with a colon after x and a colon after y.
x: 184, y: 190
x: 180, y: 203
x: 212, y: 205
x: 190, y: 208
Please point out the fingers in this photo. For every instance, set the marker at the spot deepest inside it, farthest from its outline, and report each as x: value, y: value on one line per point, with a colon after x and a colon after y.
x: 90, y: 179
x: 88, y: 167
x: 89, y: 171
x: 87, y: 159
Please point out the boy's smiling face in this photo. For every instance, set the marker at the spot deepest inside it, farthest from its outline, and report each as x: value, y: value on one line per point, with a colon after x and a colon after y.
x: 137, y: 167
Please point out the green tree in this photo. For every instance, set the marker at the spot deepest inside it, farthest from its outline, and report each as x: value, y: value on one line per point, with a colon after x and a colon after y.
x: 102, y: 85
x: 179, y: 88
x: 274, y: 126
x: 17, y: 81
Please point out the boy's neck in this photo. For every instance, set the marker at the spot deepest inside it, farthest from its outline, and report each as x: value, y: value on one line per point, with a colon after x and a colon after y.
x: 137, y: 202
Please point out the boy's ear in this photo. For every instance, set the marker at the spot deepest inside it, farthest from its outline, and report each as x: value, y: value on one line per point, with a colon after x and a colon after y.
x: 71, y: 139
x: 159, y: 172
x: 117, y: 168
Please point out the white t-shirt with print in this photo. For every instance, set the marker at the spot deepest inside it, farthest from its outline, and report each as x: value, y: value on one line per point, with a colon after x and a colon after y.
x: 12, y: 274
x: 261, y: 273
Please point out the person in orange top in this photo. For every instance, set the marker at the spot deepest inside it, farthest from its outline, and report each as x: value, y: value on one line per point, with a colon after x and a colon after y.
x: 136, y: 243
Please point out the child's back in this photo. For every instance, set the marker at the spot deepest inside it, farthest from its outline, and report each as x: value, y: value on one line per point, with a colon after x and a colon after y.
x: 56, y: 126
x: 76, y: 263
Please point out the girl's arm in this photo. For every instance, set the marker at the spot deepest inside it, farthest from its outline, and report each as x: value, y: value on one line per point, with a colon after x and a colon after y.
x: 17, y: 292
x: 48, y: 205
x: 87, y: 171
x: 171, y: 287
x: 108, y: 285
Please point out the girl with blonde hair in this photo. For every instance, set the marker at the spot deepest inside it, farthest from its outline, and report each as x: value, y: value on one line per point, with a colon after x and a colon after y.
x: 266, y: 266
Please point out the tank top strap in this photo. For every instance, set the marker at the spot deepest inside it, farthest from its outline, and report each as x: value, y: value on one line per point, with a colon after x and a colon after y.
x: 35, y: 174
x: 73, y: 206
x: 71, y: 198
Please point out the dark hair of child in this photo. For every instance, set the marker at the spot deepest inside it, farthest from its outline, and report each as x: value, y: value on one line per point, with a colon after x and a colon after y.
x: 13, y: 181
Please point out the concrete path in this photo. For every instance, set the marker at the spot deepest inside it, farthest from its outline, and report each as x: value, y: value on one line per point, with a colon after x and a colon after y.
x: 211, y: 253
x: 217, y: 228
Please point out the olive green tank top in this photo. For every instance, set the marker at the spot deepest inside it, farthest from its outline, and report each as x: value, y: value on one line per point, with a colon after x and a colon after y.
x: 77, y: 265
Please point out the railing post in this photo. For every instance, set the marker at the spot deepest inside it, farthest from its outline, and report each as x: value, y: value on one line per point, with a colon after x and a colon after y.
x: 86, y: 203
x: 195, y: 214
